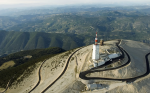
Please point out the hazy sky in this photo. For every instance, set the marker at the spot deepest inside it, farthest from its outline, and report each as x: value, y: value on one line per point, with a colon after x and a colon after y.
x: 62, y: 2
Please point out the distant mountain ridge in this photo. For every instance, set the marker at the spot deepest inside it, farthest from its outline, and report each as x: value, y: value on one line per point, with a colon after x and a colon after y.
x: 72, y: 30
x: 11, y: 42
x: 112, y: 21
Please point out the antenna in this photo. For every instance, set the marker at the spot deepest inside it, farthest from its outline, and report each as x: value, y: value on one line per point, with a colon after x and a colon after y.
x: 96, y: 40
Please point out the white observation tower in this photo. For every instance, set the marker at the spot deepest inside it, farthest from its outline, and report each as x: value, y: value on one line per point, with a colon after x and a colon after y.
x: 95, y: 54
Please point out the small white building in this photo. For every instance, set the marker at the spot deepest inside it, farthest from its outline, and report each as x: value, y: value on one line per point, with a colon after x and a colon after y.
x: 105, y: 59
x: 93, y: 86
x: 114, y: 55
x: 101, y: 62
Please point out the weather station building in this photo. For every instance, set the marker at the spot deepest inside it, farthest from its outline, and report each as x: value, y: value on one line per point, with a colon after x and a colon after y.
x: 97, y: 59
x: 95, y: 54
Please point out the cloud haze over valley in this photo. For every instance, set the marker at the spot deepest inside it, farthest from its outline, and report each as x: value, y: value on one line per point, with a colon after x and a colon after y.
x: 63, y: 2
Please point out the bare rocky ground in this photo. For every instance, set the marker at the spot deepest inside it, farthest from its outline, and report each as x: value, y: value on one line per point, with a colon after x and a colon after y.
x: 27, y: 83
x: 2, y: 89
x: 70, y: 81
x: 141, y: 85
x: 7, y: 65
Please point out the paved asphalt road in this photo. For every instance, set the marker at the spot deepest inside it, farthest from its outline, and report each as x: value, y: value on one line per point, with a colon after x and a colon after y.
x: 39, y: 74
x: 137, y: 54
x: 134, y: 54
x: 62, y: 72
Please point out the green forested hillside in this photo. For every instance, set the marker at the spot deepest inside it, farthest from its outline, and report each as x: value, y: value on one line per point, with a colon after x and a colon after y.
x: 80, y: 20
x: 6, y: 22
x: 18, y: 56
x: 12, y: 41
x: 108, y: 22
x: 15, y: 41
x: 22, y: 64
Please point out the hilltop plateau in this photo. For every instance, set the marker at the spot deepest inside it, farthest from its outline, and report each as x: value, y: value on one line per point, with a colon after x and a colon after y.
x: 71, y: 71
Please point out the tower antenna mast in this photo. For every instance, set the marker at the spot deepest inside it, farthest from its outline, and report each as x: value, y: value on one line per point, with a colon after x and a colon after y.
x: 96, y: 40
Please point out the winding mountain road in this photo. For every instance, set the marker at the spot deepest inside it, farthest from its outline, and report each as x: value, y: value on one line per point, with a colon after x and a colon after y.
x: 134, y: 58
x: 125, y: 49
x: 62, y: 72
x: 7, y: 86
x: 39, y: 74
